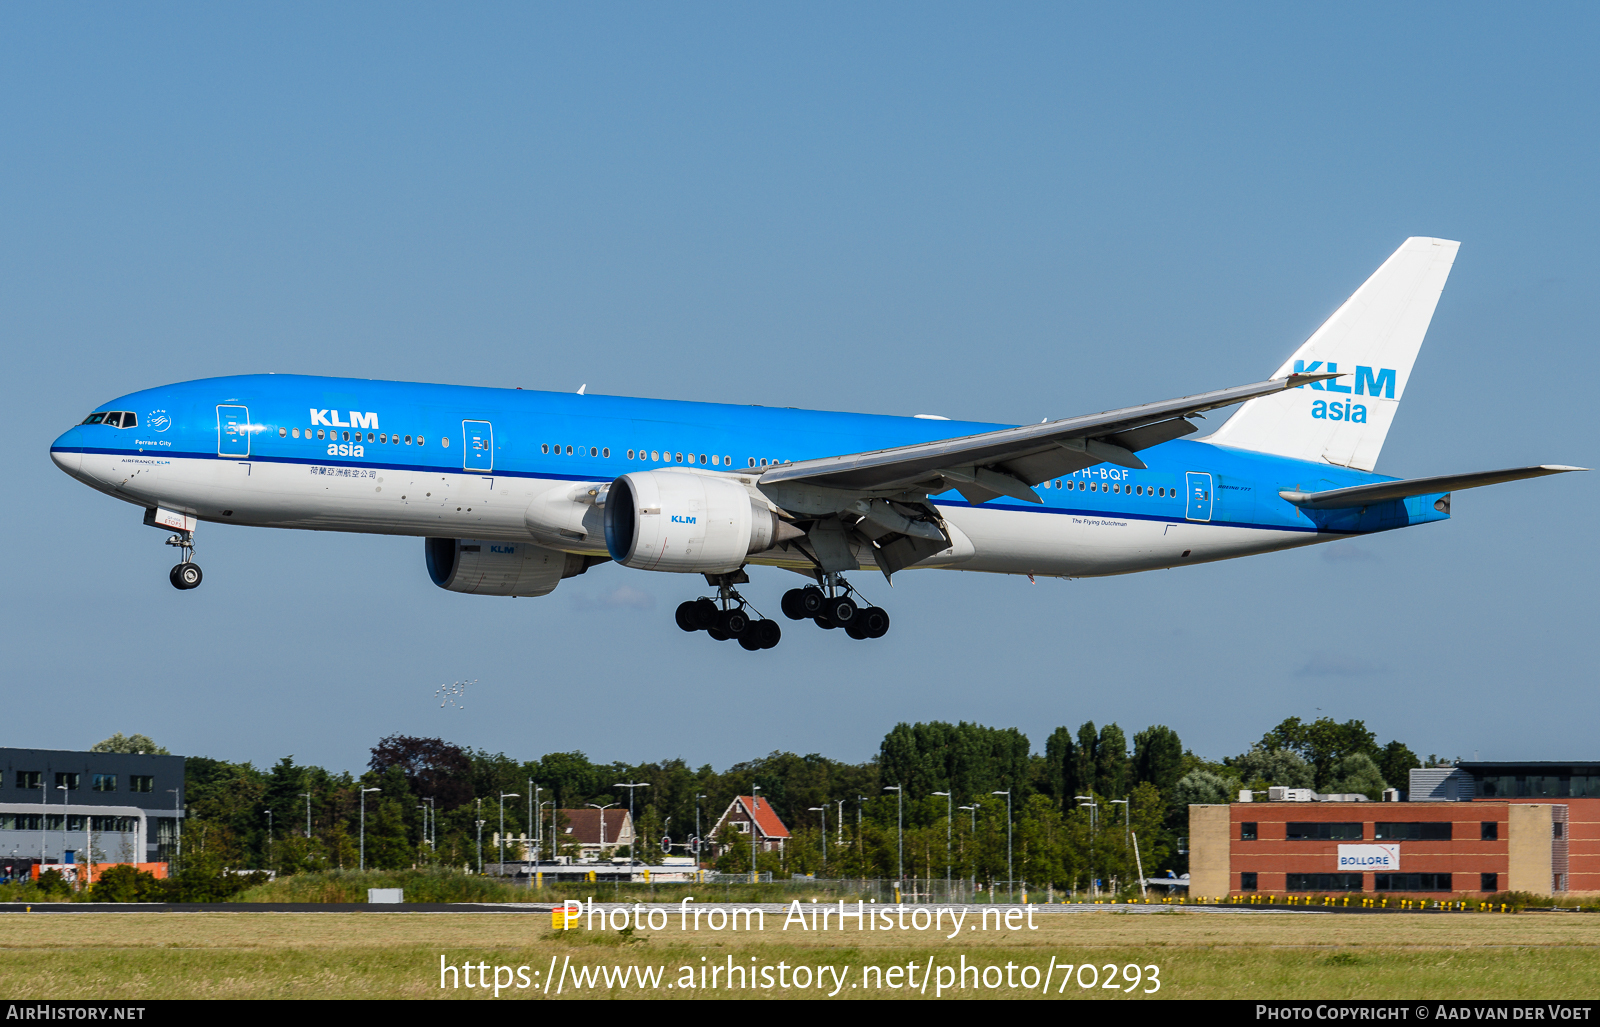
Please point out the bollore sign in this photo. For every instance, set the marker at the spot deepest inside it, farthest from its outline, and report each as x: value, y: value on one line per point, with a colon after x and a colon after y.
x: 1369, y: 857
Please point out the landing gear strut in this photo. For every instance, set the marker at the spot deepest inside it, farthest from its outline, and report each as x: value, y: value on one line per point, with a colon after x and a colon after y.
x: 185, y: 575
x: 832, y: 606
x: 728, y: 616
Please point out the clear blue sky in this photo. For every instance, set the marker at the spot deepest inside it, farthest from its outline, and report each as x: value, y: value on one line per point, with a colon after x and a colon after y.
x: 1000, y: 212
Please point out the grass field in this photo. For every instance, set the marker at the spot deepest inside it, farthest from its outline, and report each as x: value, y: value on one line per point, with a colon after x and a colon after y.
x: 1200, y: 955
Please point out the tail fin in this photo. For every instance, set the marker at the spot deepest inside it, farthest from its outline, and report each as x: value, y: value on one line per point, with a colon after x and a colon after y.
x: 1373, y: 339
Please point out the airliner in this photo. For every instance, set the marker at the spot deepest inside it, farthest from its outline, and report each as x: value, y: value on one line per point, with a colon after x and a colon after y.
x: 515, y: 490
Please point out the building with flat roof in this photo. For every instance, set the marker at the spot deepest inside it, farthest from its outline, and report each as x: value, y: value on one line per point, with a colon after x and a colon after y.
x: 1417, y: 849
x: 58, y: 805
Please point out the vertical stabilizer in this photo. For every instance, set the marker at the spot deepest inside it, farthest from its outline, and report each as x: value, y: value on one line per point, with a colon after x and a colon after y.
x: 1372, y: 340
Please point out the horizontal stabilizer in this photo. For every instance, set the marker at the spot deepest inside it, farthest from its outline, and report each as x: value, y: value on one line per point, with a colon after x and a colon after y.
x: 1366, y: 495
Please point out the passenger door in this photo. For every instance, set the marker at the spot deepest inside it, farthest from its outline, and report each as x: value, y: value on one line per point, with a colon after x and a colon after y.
x: 1198, y: 504
x: 233, y: 431
x: 477, y: 446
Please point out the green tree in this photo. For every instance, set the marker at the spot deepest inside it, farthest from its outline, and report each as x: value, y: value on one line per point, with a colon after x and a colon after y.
x: 1203, y: 788
x: 1061, y: 767
x: 1111, y: 762
x: 1158, y: 757
x: 131, y: 744
x: 1322, y: 743
x: 1396, y: 762
x: 1264, y: 767
x: 1357, y: 773
x: 1087, y: 757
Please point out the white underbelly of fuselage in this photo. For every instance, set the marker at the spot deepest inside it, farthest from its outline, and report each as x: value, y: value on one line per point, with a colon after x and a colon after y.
x: 487, y: 506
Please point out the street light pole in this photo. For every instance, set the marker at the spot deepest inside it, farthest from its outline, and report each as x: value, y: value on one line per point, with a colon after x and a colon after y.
x: 1010, y: 876
x: 633, y: 848
x: 480, y: 833
x: 698, y: 796
x: 307, y: 797
x: 533, y: 799
x: 364, y: 793
x: 899, y: 834
x: 1088, y: 800
x: 972, y: 836
x: 63, y: 790
x: 824, y: 810
x: 177, y: 823
x: 755, y: 829
x: 44, y: 798
x: 949, y: 818
x: 602, y: 810
x: 1125, y: 826
x: 501, y: 849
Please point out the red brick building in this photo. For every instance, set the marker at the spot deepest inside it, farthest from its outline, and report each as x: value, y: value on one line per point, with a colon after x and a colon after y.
x: 1418, y: 849
x: 1574, y: 785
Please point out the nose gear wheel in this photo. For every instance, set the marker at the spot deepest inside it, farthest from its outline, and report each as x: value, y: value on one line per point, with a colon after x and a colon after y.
x: 185, y: 575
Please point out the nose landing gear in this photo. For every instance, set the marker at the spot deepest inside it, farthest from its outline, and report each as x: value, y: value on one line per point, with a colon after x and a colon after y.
x: 833, y: 606
x: 728, y: 616
x: 185, y: 575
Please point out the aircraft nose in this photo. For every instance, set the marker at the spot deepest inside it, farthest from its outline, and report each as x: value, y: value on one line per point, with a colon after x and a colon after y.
x: 67, y: 451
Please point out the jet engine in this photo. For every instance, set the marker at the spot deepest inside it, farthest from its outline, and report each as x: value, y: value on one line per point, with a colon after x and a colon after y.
x: 486, y: 568
x: 679, y: 521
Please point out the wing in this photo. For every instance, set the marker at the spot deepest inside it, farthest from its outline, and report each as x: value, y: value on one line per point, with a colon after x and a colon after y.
x: 1008, y: 462
x: 1363, y: 495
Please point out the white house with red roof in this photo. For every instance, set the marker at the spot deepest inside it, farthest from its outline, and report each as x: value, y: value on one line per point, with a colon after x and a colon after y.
x: 751, y: 813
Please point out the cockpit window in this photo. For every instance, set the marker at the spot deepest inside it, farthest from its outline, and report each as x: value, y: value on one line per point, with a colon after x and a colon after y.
x: 94, y: 418
x: 129, y: 419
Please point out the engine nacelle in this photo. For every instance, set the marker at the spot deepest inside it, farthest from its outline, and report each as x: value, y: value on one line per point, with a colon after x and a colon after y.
x: 679, y: 521
x: 486, y: 568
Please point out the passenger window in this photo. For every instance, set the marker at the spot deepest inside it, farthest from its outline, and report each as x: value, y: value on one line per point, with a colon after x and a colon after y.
x: 383, y: 438
x: 727, y: 461
x: 408, y: 440
x: 655, y: 456
x: 423, y: 442
x: 702, y: 458
x: 593, y: 451
x: 319, y: 433
x: 606, y: 453
x: 545, y: 449
x: 569, y: 450
x: 283, y: 433
x: 752, y: 461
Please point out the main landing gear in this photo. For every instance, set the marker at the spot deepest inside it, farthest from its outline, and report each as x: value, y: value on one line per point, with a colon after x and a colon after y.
x: 185, y: 575
x: 728, y: 618
x: 832, y: 606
